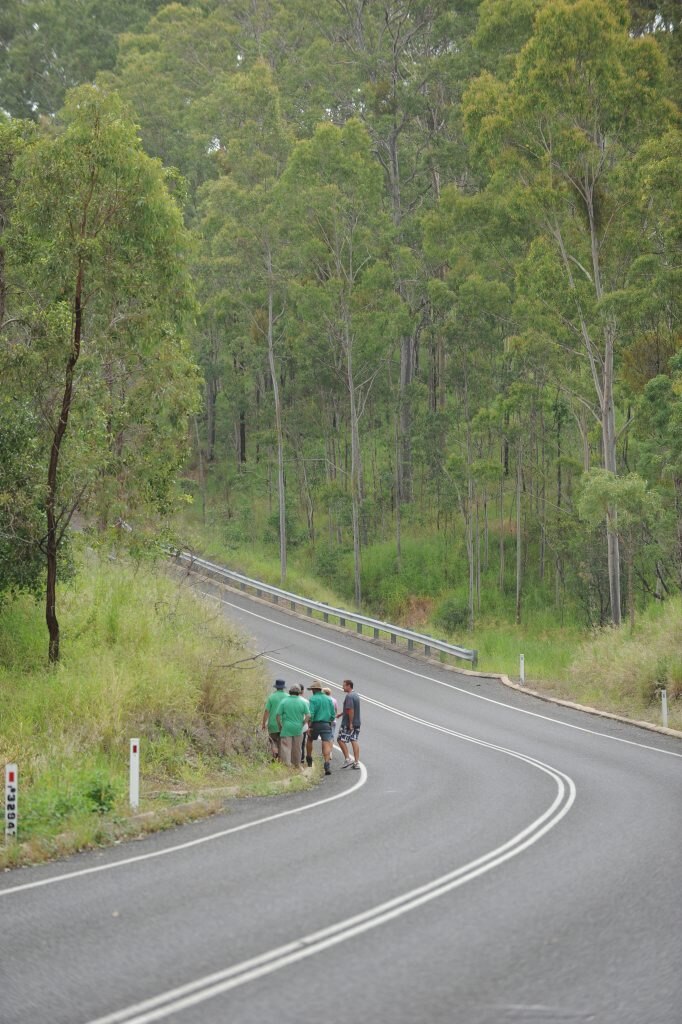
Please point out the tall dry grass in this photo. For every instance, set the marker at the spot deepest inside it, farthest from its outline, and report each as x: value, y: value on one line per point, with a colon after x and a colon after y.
x: 140, y: 657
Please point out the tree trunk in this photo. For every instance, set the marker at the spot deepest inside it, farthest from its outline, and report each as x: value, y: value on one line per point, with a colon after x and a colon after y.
x: 518, y: 536
x: 52, y: 541
x: 398, y: 503
x: 355, y: 466
x: 243, y: 456
x: 202, y: 473
x: 280, y: 437
x: 501, y: 576
x: 405, y: 414
x: 609, y: 441
x: 211, y: 396
x: 678, y: 511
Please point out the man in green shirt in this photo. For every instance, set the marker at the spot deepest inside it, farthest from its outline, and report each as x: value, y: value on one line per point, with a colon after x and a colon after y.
x: 270, y: 716
x: 291, y: 716
x: 322, y: 715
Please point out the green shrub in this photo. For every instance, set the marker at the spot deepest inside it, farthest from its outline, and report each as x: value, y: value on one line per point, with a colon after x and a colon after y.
x: 452, y: 614
x: 100, y: 792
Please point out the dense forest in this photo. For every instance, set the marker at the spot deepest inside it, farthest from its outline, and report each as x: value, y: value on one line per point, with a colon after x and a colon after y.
x: 362, y: 271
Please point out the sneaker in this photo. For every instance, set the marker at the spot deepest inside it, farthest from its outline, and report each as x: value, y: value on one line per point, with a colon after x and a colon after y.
x: 347, y: 763
x: 327, y: 769
x: 356, y: 765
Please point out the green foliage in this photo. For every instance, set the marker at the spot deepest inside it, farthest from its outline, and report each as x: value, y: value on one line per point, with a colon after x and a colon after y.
x: 452, y: 614
x: 143, y: 659
x: 49, y: 46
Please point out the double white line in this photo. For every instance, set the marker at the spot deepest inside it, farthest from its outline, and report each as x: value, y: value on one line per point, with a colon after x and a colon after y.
x: 187, y: 996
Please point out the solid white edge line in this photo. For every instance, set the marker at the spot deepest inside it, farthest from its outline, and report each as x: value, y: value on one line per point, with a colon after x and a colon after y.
x: 217, y: 983
x: 183, y: 846
x: 441, y: 682
x: 200, y: 990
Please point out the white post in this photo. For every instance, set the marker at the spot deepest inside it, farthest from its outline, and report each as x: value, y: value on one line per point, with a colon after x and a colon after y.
x: 522, y: 668
x: 11, y: 801
x: 664, y: 708
x: 134, y: 773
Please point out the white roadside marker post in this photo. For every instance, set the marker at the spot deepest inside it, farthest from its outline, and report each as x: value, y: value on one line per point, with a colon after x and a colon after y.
x: 134, y: 773
x: 522, y: 668
x: 11, y: 801
x: 664, y: 707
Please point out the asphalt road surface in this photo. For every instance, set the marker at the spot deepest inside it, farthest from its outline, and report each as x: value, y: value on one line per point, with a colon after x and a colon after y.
x: 497, y: 860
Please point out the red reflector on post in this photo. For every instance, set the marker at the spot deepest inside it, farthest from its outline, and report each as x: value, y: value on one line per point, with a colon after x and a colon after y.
x: 11, y: 776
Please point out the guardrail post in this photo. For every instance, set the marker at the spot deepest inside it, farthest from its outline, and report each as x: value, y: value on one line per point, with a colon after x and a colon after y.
x: 413, y: 640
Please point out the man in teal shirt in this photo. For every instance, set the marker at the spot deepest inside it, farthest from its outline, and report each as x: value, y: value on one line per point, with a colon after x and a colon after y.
x: 270, y: 716
x: 322, y: 715
x: 292, y: 714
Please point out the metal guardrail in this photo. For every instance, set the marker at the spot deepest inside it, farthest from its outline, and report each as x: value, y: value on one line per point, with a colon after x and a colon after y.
x: 327, y: 612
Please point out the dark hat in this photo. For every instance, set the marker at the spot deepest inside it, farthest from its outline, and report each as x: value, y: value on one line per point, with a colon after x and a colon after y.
x: 315, y: 685
x: 280, y: 684
x: 294, y: 689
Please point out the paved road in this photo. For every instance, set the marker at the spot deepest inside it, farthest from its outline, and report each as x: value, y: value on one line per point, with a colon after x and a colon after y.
x: 498, y: 859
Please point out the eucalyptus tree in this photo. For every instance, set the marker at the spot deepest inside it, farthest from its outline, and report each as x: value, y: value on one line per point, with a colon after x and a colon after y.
x: 50, y: 46
x: 97, y: 269
x: 584, y: 95
x: 243, y: 223
x: 333, y: 187
x: 166, y: 71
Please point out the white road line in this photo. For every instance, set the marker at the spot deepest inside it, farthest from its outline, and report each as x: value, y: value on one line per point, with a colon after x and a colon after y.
x: 218, y: 983
x: 183, y: 846
x: 439, y: 682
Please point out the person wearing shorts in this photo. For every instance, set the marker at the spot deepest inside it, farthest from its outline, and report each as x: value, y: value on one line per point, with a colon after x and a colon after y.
x: 349, y: 731
x: 322, y: 716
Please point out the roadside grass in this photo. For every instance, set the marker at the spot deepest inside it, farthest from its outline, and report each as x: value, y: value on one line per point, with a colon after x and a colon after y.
x: 141, y: 657
x: 611, y: 670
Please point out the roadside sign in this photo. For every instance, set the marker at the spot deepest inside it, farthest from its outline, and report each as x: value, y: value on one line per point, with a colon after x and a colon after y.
x: 11, y: 801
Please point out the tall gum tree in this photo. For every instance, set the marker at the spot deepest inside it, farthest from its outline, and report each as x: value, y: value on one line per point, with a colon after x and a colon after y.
x: 98, y: 253
x: 333, y: 186
x: 584, y: 96
x: 243, y: 227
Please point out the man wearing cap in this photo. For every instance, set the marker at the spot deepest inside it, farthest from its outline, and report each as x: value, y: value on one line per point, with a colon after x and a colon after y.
x: 270, y: 716
x: 292, y: 714
x: 322, y: 714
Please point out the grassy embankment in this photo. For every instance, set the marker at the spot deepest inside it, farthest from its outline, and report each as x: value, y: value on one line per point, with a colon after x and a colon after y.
x: 614, y: 670
x: 140, y: 657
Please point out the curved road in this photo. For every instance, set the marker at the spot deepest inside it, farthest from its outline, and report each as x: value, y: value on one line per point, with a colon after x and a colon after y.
x: 498, y: 859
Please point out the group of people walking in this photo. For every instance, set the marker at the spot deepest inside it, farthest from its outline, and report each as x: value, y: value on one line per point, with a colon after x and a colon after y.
x: 294, y: 723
